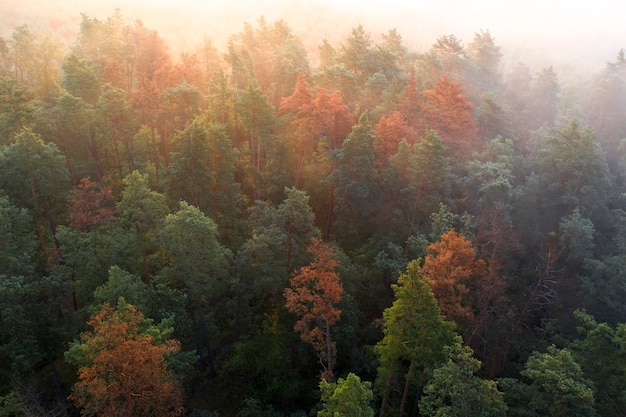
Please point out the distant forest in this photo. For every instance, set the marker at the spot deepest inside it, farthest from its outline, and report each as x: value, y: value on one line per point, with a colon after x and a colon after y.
x: 241, y: 233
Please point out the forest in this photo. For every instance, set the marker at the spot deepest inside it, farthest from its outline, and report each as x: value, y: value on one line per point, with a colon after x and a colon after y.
x: 250, y: 232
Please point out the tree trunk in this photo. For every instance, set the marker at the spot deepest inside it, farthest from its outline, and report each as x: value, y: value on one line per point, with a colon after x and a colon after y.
x: 416, y: 402
x: 385, y: 402
x: 407, y: 385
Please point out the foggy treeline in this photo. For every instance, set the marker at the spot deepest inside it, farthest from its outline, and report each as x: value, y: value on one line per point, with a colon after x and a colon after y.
x: 246, y: 231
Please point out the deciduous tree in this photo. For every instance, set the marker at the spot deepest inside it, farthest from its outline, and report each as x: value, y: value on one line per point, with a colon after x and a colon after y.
x: 123, y: 368
x: 448, y: 111
x: 450, y: 267
x: 314, y: 294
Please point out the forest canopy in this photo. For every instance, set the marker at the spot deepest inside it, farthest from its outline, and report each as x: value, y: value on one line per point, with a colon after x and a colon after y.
x: 247, y: 232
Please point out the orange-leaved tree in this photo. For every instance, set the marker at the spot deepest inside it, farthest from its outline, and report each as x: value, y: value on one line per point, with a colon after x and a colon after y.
x: 315, y: 291
x: 390, y: 130
x: 450, y: 266
x: 123, y: 370
x: 449, y: 112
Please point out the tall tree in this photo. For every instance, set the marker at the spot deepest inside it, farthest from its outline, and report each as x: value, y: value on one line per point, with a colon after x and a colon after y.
x: 575, y: 170
x: 314, y: 294
x: 19, y: 243
x: 197, y: 265
x: 414, y: 334
x: 117, y: 128
x: 258, y: 119
x: 357, y: 194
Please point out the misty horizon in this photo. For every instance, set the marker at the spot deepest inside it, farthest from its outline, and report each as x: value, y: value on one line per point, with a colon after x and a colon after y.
x: 572, y: 37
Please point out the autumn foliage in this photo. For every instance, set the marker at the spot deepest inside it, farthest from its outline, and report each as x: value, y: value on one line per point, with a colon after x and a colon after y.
x: 315, y: 291
x: 450, y: 266
x: 89, y: 206
x: 449, y: 112
x: 123, y: 372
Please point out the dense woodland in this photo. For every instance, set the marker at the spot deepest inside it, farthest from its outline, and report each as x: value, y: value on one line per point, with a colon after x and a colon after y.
x: 241, y: 233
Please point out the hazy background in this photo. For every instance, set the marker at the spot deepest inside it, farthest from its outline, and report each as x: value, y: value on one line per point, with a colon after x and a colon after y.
x: 580, y: 35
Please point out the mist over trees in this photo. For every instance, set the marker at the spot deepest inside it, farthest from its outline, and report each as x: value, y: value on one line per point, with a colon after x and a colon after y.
x: 246, y: 232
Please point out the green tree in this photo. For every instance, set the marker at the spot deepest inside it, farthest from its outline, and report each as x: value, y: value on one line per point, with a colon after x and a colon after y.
x: 601, y: 352
x: 553, y: 384
x: 574, y: 174
x: 142, y: 213
x: 455, y: 391
x: 258, y: 119
x: 34, y: 176
x: 414, y: 333
x: 19, y: 108
x: 123, y: 285
x: 198, y: 265
x: 189, y: 176
x: 79, y: 79
x: 268, y: 55
x: 356, y: 191
x: 73, y: 124
x: 116, y: 129
x: 19, y: 242
x: 349, y: 397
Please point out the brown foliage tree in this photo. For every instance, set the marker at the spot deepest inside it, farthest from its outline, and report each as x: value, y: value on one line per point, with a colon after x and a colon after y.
x: 89, y: 206
x: 332, y: 118
x: 448, y: 111
x: 389, y: 131
x: 123, y: 371
x: 315, y: 291
x: 450, y: 266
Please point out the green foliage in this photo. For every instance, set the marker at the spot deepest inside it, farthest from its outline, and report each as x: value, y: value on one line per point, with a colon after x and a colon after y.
x: 357, y: 194
x: 414, y: 331
x: 19, y: 108
x: 455, y: 391
x: 250, y: 177
x: 18, y: 244
x: 601, y: 352
x: 19, y: 350
x: 553, y: 384
x: 198, y: 263
x: 349, y: 397
x: 576, y: 174
x: 576, y: 236
x: 33, y: 174
x: 121, y: 284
